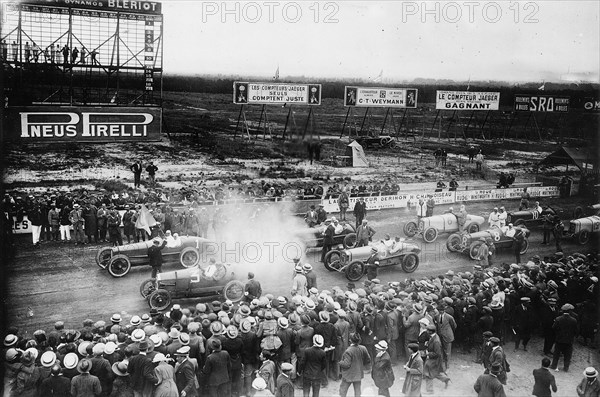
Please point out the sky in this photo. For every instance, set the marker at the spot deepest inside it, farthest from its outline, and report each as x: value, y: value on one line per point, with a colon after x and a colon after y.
x: 459, y: 40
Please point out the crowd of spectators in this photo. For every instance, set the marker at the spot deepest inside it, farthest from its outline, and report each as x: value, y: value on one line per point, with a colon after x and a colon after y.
x: 264, y: 344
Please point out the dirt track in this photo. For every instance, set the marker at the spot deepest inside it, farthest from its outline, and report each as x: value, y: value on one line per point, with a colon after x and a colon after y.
x: 58, y: 282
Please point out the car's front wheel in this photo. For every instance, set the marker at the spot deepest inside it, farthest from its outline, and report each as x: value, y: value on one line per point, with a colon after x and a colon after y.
x: 159, y: 299
x: 473, y: 228
x: 119, y: 266
x: 583, y: 237
x: 234, y: 291
x: 410, y: 263
x: 474, y: 249
x: 355, y: 270
x: 430, y: 234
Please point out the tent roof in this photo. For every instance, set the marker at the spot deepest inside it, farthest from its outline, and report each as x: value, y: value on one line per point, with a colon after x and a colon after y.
x: 354, y: 143
x: 574, y: 156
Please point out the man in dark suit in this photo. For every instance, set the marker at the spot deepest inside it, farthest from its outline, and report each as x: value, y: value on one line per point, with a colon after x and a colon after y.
x: 543, y: 379
x: 360, y: 211
x: 141, y: 371
x: 155, y: 256
x: 285, y: 387
x: 565, y: 328
x: 489, y: 385
x: 56, y: 384
x: 136, y: 168
x: 253, y: 290
x: 185, y: 377
x: 217, y: 371
x: 312, y: 365
x: 327, y: 239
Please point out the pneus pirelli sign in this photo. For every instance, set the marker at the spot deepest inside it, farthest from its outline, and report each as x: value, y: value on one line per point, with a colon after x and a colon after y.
x: 82, y: 124
x: 467, y: 100
x: 276, y: 93
x: 380, y: 97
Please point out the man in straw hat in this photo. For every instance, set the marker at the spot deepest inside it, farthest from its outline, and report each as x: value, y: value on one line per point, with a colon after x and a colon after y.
x: 84, y: 384
x: 382, y: 372
x: 185, y: 376
x: 312, y: 365
x: 589, y: 386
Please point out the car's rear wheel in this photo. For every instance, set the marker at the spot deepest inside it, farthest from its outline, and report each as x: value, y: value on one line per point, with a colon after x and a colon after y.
x: 189, y: 257
x: 333, y: 261
x: 525, y: 247
x: 234, y: 290
x: 454, y: 243
x: 410, y: 229
x: 119, y: 266
x: 519, y: 222
x: 410, y: 263
x: 583, y: 237
x: 474, y: 249
x: 148, y: 287
x: 430, y: 234
x: 355, y: 270
x: 103, y: 257
x: 159, y: 299
x: 473, y: 228
x: 349, y: 240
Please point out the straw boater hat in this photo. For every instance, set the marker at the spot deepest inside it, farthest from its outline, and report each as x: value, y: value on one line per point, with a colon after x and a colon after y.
x: 120, y: 368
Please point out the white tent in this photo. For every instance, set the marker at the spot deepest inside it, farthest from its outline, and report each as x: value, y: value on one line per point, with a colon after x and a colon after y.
x: 356, y: 155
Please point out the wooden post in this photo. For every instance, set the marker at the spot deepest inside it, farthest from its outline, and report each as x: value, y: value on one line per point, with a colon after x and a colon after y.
x: 434, y: 121
x: 287, y: 119
x: 307, y: 121
x: 387, y: 112
x: 363, y: 121
x: 238, y: 122
x: 468, y: 124
x: 487, y: 114
x: 402, y: 122
x: 536, y: 126
x: 260, y: 119
x: 344, y: 125
x: 512, y: 119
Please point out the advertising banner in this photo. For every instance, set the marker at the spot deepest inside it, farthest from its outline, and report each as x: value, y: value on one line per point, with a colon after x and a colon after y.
x: 125, y: 6
x: 276, y: 93
x: 82, y: 124
x: 541, y: 103
x: 467, y: 100
x: 591, y: 104
x: 381, y: 97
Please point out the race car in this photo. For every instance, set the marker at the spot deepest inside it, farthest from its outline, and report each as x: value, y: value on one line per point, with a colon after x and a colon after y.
x: 590, y: 210
x: 313, y: 237
x: 118, y: 260
x: 193, y: 282
x: 352, y: 261
x: 583, y: 229
x: 430, y: 227
x: 532, y: 217
x: 470, y: 242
